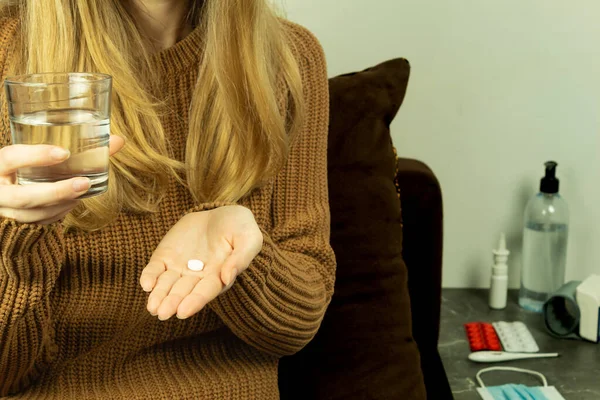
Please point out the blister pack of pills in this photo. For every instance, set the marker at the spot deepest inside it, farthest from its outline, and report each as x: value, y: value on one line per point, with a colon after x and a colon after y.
x: 482, y: 336
x: 515, y: 337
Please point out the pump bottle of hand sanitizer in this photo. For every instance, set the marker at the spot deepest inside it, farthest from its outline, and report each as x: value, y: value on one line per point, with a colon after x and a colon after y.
x: 544, y: 243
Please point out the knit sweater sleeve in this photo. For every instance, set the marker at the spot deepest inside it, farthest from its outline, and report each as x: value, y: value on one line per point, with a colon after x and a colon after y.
x: 278, y: 303
x: 31, y: 257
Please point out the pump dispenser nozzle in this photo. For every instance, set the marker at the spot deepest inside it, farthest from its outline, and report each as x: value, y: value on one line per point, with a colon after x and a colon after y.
x: 549, y: 183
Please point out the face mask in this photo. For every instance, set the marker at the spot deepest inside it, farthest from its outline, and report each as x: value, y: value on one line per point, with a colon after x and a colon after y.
x: 517, y: 392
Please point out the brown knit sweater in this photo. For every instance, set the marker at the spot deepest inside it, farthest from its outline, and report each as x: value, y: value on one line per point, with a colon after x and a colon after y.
x: 73, y: 319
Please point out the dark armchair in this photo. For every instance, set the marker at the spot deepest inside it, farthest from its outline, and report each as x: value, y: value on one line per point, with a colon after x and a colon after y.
x: 422, y: 211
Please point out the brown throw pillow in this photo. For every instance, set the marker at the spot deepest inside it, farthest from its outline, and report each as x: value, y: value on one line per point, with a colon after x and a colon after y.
x: 365, y: 348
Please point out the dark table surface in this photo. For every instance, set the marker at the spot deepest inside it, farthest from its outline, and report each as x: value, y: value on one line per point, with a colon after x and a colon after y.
x: 575, y: 373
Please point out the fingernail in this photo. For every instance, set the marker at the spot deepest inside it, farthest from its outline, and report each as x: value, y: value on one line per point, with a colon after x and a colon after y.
x: 60, y: 153
x: 81, y: 184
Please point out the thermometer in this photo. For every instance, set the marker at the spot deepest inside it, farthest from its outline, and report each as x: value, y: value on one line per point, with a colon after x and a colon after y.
x: 499, y: 356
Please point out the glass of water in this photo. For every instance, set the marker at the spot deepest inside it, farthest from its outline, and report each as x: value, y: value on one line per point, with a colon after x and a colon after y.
x: 70, y: 110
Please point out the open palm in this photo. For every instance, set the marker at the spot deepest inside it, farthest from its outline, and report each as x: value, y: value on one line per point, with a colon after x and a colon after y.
x: 226, y: 239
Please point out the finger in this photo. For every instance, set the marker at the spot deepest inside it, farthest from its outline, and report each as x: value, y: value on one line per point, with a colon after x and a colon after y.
x: 116, y: 143
x: 94, y: 159
x: 246, y: 246
x: 203, y: 293
x: 42, y: 194
x: 151, y: 273
x: 163, y: 286
x: 39, y: 155
x: 233, y: 265
x: 39, y: 215
x: 180, y: 289
x: 22, y: 155
x: 6, y: 180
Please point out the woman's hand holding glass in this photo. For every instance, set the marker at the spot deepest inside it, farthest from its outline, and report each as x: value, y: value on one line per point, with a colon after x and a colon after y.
x: 41, y: 203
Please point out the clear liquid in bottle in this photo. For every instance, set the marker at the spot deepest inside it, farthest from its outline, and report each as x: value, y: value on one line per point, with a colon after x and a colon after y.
x: 544, y: 262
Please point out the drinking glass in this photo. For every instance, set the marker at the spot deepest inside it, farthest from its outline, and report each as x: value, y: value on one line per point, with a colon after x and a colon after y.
x: 70, y: 110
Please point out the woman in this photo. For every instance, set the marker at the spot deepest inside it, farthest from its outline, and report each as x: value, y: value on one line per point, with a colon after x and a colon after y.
x: 224, y: 111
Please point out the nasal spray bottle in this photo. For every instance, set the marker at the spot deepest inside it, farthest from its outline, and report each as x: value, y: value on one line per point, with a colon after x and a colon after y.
x: 499, y: 284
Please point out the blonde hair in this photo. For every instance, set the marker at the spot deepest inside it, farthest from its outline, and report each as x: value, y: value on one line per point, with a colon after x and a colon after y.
x: 238, y: 132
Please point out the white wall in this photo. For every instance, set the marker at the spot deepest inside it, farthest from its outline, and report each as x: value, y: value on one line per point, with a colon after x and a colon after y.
x: 497, y: 88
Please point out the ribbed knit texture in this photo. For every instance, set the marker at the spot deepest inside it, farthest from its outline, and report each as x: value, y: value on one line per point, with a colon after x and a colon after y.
x: 73, y: 319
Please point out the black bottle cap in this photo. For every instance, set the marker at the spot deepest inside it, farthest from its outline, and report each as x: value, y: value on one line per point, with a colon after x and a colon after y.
x: 549, y: 183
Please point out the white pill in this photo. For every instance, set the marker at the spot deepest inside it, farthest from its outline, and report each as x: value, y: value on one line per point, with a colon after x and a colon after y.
x: 195, y: 265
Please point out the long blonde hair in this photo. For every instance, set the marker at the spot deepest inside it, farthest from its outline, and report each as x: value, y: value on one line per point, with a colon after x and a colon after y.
x: 238, y: 133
